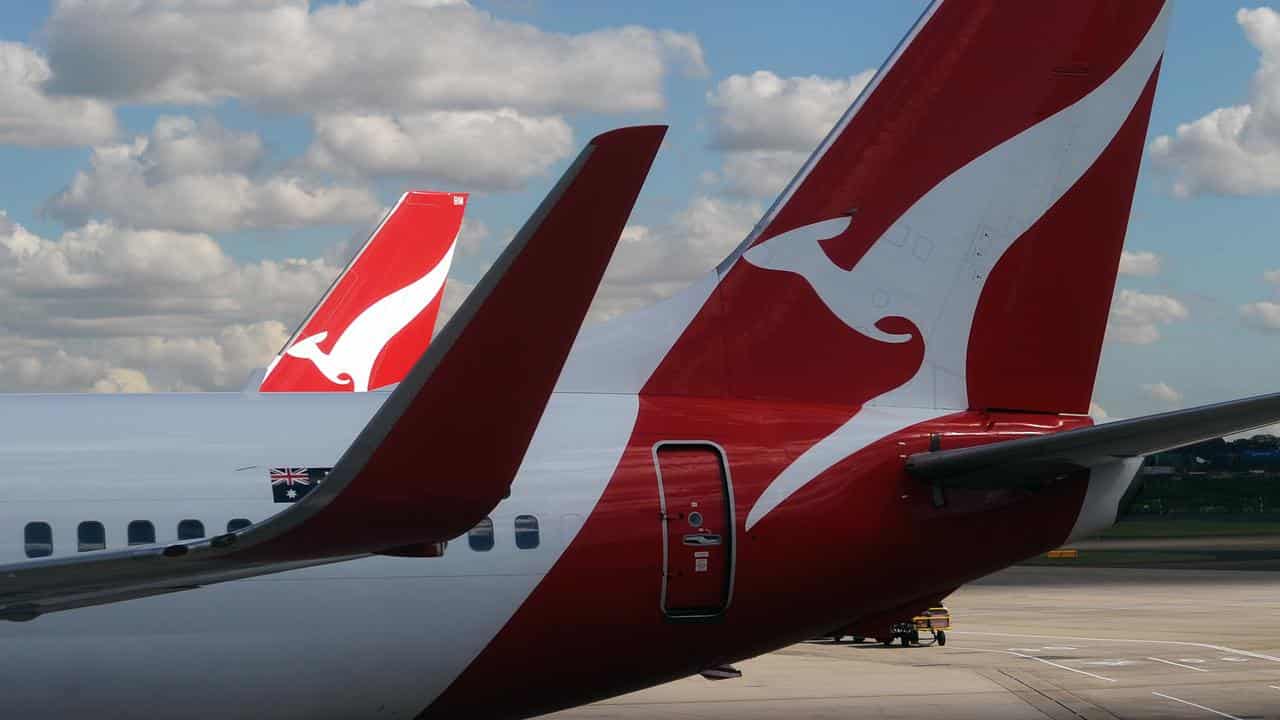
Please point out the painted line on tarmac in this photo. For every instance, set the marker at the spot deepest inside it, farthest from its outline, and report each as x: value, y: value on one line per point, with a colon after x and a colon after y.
x: 1274, y: 687
x: 1178, y: 664
x: 1046, y: 662
x: 1219, y: 713
x: 1219, y: 648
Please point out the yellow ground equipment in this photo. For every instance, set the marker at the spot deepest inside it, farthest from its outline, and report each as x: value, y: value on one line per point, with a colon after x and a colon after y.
x: 936, y: 621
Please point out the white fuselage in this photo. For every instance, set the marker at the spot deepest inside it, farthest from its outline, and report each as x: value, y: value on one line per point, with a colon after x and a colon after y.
x: 391, y: 632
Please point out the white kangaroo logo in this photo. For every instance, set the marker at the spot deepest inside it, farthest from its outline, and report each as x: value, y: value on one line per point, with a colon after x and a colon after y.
x: 852, y: 295
x: 352, y: 357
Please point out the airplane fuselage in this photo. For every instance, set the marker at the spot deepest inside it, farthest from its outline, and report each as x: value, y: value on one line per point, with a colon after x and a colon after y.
x: 589, y: 559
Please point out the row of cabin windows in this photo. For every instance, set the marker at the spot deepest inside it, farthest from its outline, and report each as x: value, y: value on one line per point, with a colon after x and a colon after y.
x: 527, y: 536
x: 92, y: 535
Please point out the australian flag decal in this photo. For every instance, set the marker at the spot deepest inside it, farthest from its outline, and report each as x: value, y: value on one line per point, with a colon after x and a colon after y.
x: 292, y: 483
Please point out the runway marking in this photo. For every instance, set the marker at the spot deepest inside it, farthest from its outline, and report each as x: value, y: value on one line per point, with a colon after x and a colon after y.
x: 1207, y: 646
x: 1233, y: 659
x: 1274, y: 687
x: 1197, y: 661
x: 1178, y: 664
x: 1110, y: 663
x: 1219, y: 713
x: 1059, y: 647
x: 1046, y: 662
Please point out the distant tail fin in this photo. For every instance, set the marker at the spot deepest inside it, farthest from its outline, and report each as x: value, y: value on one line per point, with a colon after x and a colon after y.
x: 954, y: 242
x: 377, y: 317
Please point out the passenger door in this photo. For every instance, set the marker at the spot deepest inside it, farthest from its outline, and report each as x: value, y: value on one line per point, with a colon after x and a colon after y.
x: 697, y: 528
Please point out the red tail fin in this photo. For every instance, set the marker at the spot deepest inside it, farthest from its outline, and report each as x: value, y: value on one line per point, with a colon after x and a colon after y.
x: 954, y: 242
x: 377, y: 318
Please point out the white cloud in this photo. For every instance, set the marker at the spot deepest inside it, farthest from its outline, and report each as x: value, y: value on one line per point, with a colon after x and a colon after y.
x: 652, y: 263
x: 194, y: 176
x: 375, y: 56
x: 768, y: 125
x: 455, y: 293
x: 107, y: 308
x: 27, y: 366
x: 1097, y: 412
x: 761, y: 173
x: 472, y: 235
x: 486, y: 150
x: 33, y: 118
x: 1161, y: 392
x: 763, y: 111
x: 1263, y: 315
x: 122, y: 380
x: 1136, y: 317
x: 1140, y: 264
x: 222, y: 360
x: 1233, y: 150
x: 1271, y: 276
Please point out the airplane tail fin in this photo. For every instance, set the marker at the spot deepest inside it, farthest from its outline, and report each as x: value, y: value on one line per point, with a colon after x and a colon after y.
x: 377, y: 317
x: 954, y: 241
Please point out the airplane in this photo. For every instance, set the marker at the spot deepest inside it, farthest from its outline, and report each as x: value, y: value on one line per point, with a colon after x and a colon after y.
x: 377, y: 317
x: 898, y: 358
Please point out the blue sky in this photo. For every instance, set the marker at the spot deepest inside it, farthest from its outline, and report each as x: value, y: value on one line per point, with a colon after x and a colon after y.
x: 1213, y: 244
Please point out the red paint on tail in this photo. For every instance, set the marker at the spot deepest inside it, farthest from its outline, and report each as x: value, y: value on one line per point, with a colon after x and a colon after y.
x: 411, y: 241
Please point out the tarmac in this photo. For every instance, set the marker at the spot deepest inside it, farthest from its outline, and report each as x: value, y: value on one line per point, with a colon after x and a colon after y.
x: 1055, y: 642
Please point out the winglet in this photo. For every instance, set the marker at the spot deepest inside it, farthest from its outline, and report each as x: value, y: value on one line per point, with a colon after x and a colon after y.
x: 444, y: 448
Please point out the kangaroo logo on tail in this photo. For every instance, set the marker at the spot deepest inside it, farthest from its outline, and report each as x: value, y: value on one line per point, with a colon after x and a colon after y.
x: 798, y: 251
x: 353, y: 354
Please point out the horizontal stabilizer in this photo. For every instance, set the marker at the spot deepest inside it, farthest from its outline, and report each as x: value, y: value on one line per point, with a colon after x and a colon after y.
x: 444, y: 447
x: 1016, y: 462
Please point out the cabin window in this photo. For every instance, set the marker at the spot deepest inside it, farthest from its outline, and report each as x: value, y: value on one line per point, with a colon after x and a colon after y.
x: 481, y: 536
x: 190, y: 530
x: 238, y: 524
x: 91, y: 536
x: 141, y: 532
x: 526, y: 532
x: 39, y: 539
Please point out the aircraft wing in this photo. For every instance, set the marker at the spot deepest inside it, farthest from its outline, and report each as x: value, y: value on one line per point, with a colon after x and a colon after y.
x: 1043, y: 457
x: 444, y: 447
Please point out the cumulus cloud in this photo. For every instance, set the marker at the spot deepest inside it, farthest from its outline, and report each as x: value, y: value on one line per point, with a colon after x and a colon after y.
x: 763, y: 111
x: 1161, y: 392
x: 1233, y: 150
x: 472, y: 236
x: 27, y: 366
x: 455, y: 293
x: 1136, y: 317
x: 652, y: 263
x: 106, y: 308
x: 768, y: 125
x: 760, y: 173
x: 481, y: 149
x: 122, y: 380
x: 1263, y: 315
x: 372, y: 56
x: 1140, y: 264
x: 196, y: 176
x: 33, y: 118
